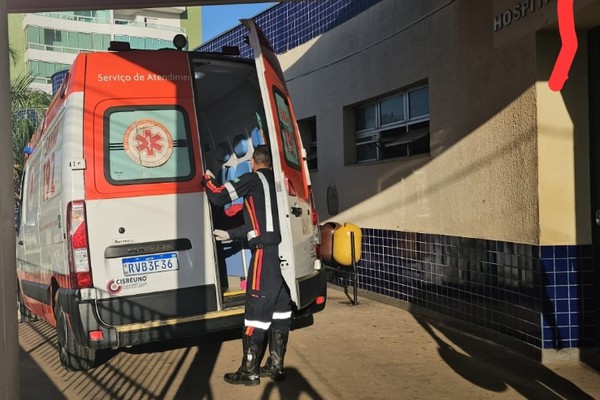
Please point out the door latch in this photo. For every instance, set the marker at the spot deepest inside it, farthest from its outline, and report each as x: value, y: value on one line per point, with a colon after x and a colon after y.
x: 297, y: 211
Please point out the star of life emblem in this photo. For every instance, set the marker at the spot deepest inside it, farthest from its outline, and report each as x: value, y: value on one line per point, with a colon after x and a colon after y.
x: 148, y: 143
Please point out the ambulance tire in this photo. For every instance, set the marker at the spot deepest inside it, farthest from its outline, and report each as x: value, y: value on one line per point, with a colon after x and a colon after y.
x: 73, y: 356
x: 25, y: 314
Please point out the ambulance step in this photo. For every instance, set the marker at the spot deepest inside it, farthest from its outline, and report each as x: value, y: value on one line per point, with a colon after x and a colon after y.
x: 234, y: 299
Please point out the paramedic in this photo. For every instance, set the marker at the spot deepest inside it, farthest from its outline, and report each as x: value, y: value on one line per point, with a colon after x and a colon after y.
x: 268, y: 307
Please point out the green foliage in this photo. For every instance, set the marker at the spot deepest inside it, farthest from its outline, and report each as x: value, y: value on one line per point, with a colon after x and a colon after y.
x: 12, y: 54
x: 23, y: 98
x: 22, y: 130
x: 20, y: 91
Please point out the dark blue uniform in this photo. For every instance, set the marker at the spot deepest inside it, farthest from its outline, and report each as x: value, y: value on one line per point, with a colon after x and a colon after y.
x: 267, y: 297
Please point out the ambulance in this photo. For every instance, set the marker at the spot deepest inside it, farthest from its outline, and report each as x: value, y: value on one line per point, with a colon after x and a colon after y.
x: 115, y: 245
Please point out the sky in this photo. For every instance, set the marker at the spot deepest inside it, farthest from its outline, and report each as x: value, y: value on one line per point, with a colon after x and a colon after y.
x: 218, y: 19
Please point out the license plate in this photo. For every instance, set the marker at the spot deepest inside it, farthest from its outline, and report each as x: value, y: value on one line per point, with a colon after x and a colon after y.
x: 150, y: 264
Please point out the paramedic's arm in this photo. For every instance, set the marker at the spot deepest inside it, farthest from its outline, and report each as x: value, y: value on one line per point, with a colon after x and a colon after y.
x: 232, y: 234
x: 218, y: 195
x: 239, y: 233
x: 229, y: 191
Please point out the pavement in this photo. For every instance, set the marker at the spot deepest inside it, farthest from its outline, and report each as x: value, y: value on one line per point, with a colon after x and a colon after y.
x: 367, y: 351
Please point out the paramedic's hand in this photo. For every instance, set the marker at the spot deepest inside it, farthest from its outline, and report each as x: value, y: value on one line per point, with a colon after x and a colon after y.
x: 221, y: 236
x: 207, y: 177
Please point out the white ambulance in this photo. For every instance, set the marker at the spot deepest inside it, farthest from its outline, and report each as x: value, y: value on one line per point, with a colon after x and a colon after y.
x: 115, y: 244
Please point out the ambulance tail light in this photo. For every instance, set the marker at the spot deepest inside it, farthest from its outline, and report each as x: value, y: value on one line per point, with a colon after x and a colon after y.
x: 96, y: 336
x: 79, y: 260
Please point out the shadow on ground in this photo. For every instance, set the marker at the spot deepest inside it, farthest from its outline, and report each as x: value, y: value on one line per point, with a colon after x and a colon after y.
x: 495, y: 368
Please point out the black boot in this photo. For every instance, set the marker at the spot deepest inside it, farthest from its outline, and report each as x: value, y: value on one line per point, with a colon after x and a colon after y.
x: 273, y: 368
x: 248, y: 373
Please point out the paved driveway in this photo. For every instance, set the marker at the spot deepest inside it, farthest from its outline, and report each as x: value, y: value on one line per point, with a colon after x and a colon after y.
x: 370, y: 351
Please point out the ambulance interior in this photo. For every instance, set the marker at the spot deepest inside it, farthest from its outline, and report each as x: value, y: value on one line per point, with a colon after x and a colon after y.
x: 231, y: 124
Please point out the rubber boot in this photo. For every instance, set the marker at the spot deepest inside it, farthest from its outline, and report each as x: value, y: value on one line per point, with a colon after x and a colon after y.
x: 273, y: 368
x: 248, y: 373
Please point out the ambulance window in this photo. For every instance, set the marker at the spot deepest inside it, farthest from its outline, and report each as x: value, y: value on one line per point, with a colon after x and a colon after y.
x: 147, y: 144
x: 286, y: 130
x: 19, y: 205
x: 51, y: 166
x: 31, y: 197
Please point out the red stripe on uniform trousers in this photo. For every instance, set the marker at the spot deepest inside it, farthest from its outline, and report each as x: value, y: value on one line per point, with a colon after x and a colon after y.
x: 252, y: 217
x: 258, y: 260
x: 249, y: 330
x: 252, y: 212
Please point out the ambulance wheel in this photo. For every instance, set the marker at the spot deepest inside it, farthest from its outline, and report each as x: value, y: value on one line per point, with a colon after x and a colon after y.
x: 73, y: 356
x: 24, y: 312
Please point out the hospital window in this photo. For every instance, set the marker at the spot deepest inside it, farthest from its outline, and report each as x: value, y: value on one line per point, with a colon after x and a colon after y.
x: 393, y: 127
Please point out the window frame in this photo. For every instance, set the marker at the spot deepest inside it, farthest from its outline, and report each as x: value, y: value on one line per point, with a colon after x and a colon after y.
x: 149, y: 181
x: 285, y: 143
x: 369, y: 136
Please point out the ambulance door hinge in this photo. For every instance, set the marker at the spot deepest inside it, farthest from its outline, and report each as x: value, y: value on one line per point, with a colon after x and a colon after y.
x: 77, y: 164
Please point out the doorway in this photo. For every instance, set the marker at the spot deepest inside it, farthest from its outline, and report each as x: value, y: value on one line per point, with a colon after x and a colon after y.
x: 594, y: 116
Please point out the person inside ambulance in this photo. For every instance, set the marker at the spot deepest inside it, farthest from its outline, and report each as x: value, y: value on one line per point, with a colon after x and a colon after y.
x: 268, y: 310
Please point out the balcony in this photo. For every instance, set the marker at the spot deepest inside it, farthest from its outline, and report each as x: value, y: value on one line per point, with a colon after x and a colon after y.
x: 151, y: 25
x: 78, y: 18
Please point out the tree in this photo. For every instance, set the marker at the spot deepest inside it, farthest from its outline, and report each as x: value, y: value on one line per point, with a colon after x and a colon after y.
x: 27, y: 108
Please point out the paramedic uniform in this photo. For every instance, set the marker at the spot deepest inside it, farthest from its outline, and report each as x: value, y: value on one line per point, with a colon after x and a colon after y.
x: 267, y: 296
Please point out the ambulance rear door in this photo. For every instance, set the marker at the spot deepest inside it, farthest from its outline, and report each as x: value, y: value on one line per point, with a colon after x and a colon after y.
x: 297, y: 251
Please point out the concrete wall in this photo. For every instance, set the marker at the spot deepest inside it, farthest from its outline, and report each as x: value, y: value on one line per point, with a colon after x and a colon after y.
x: 192, y: 22
x: 481, y: 178
x: 563, y: 135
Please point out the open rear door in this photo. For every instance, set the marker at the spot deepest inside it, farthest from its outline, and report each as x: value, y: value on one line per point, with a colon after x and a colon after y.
x: 297, y: 250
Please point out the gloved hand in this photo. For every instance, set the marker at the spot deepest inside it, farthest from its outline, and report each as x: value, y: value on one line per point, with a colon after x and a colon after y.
x: 208, y: 175
x: 221, y: 235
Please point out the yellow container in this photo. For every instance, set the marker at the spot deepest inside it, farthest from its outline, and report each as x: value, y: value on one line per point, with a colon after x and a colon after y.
x: 342, y: 244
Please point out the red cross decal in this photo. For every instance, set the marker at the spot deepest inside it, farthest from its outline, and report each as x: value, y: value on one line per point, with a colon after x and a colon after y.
x: 148, y: 142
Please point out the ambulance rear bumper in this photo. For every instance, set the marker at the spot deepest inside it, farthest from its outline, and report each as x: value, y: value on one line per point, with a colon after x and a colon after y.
x: 139, y: 326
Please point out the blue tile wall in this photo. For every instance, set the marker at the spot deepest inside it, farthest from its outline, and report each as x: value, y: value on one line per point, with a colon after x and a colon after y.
x: 541, y: 295
x: 568, y: 306
x: 291, y: 24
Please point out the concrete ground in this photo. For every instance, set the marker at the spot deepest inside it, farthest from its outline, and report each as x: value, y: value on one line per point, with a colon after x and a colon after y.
x: 370, y: 351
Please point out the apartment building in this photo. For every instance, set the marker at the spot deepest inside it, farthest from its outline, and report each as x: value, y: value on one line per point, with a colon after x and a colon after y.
x: 47, y: 42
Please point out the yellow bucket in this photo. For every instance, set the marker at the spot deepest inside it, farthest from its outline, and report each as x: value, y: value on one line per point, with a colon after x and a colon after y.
x: 342, y: 244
